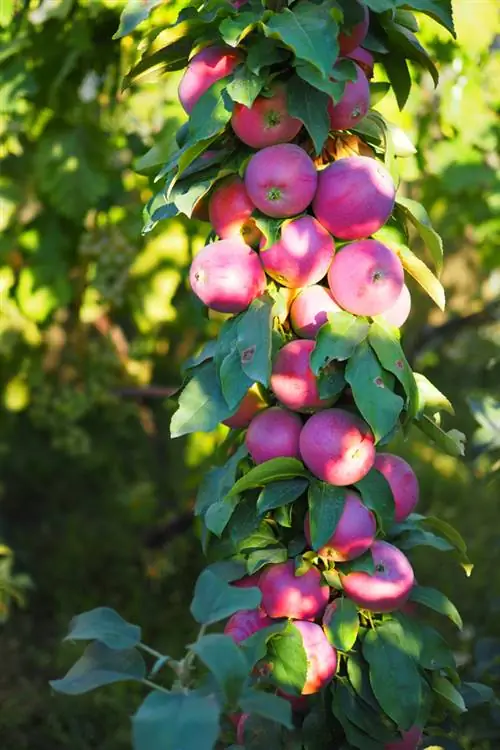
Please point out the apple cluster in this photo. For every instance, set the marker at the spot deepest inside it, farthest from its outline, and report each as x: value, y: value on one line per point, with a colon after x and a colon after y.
x: 326, y: 257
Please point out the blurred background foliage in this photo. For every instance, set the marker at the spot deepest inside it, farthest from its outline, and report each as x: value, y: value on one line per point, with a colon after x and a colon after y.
x: 95, y: 321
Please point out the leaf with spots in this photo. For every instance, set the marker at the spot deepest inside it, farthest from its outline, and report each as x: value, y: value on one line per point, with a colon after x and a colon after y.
x: 254, y: 339
x: 384, y: 340
x: 369, y: 383
x: 337, y: 339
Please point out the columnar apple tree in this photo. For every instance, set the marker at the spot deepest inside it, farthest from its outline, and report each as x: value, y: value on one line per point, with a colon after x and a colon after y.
x: 309, y: 520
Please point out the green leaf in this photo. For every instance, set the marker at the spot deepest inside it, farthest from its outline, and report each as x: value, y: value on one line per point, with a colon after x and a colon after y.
x: 439, y: 10
x: 277, y: 494
x: 437, y: 601
x: 287, y: 660
x: 403, y: 39
x: 211, y: 113
x: 362, y: 564
x: 104, y: 625
x: 7, y: 11
x: 419, y: 537
x: 337, y: 339
x: 385, y: 342
x: 217, y: 482
x: 267, y: 705
x: 254, y: 339
x: 226, y: 662
x: 235, y: 28
x: 262, y: 52
x: 175, y: 720
x: 448, y: 693
x: 379, y: 406
x: 427, y: 645
x: 326, y: 505
x: 270, y: 471
x: 354, y: 735
x: 342, y: 627
x: 416, y: 215
x: 134, y: 13
x: 452, y: 442
x: 306, y: 71
x: 397, y: 71
x: 429, y: 397
x: 245, y: 86
x: 310, y: 106
x: 201, y: 404
x: 309, y: 31
x: 259, y: 558
x: 476, y: 694
x: 255, y: 647
x: 234, y: 383
x: 98, y: 666
x: 379, y: 6
x: 377, y: 496
x: 377, y: 92
x: 219, y: 514
x: 214, y: 600
x: 359, y: 677
x: 361, y: 716
x: 448, y: 532
x: 421, y: 273
x: 394, y: 678
x: 331, y: 381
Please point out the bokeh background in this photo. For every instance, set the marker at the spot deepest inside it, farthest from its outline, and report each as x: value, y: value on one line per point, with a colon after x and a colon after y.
x: 95, y: 320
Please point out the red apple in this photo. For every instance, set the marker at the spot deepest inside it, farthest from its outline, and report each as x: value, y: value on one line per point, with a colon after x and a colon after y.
x: 390, y: 585
x: 321, y: 657
x: 286, y: 595
x: 302, y: 255
x: 230, y: 212
x: 402, y: 481
x: 245, y: 623
x: 353, y: 105
x: 366, y: 277
x: 364, y: 59
x: 250, y: 406
x: 292, y: 380
x: 337, y: 446
x: 410, y: 740
x: 349, y: 40
x: 267, y: 121
x: 309, y: 310
x: 203, y: 70
x: 281, y: 180
x: 274, y: 433
x: 354, y: 534
x: 397, y: 315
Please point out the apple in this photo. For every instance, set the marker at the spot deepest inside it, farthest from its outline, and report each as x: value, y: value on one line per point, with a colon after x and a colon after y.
x: 274, y: 433
x: 293, y: 382
x: 410, y: 740
x: 281, y: 180
x: 203, y: 70
x: 321, y: 657
x: 286, y: 595
x: 397, y: 315
x: 252, y: 403
x: 337, y: 446
x: 302, y: 255
x: 390, y: 585
x: 245, y: 623
x: 309, y: 310
x: 353, y: 105
x: 230, y: 212
x: 354, y: 534
x: 366, y: 277
x: 227, y: 276
x: 364, y: 59
x: 267, y: 122
x: 402, y: 481
x: 355, y: 197
x: 348, y: 41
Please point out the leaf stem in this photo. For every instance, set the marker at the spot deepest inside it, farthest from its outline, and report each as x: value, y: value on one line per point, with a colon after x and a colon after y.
x: 150, y: 650
x: 154, y: 686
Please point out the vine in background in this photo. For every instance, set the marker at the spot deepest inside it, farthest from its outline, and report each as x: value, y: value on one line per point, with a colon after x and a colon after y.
x: 307, y: 519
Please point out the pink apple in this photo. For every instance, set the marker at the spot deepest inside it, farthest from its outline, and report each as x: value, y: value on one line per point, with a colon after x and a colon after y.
x: 366, y: 277
x: 292, y: 380
x: 286, y: 595
x: 274, y: 433
x: 299, y: 703
x: 250, y: 406
x: 267, y: 121
x: 355, y: 197
x: 230, y: 212
x: 389, y: 587
x: 245, y: 623
x: 321, y: 657
x: 337, y: 446
x: 397, y: 315
x: 410, y: 740
x: 310, y: 309
x: 354, y: 534
x: 227, y: 276
x: 364, y: 59
x: 248, y: 582
x: 203, y: 70
x: 302, y: 255
x: 240, y: 730
x: 402, y: 481
x: 348, y: 41
x: 353, y: 105
x: 281, y: 180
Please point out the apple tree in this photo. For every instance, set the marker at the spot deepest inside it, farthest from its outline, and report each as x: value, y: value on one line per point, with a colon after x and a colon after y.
x: 308, y: 520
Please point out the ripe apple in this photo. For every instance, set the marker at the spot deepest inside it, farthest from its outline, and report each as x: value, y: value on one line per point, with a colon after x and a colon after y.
x: 355, y: 197
x: 292, y: 380
x: 302, y: 255
x: 353, y: 105
x: 230, y: 212
x: 203, y: 70
x: 348, y: 41
x: 252, y: 403
x: 354, y: 534
x: 364, y: 59
x: 366, y: 277
x: 267, y: 121
x: 245, y: 623
x: 309, y: 310
x: 337, y: 446
x: 390, y: 585
x: 397, y: 315
x: 321, y: 657
x: 410, y: 740
x: 402, y: 481
x: 227, y: 276
x: 281, y: 180
x: 274, y: 433
x: 286, y: 595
